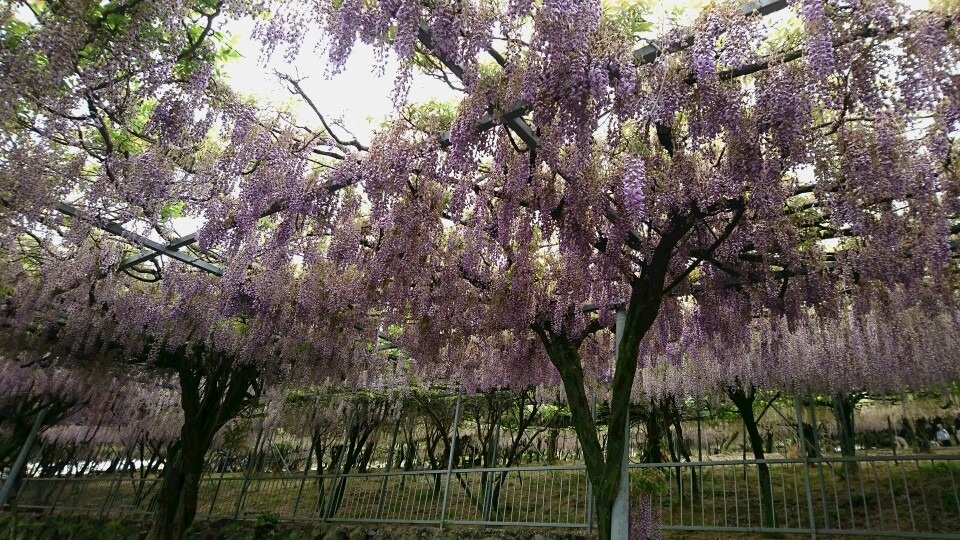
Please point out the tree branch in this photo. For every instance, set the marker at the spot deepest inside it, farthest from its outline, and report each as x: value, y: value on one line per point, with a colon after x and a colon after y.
x: 297, y: 89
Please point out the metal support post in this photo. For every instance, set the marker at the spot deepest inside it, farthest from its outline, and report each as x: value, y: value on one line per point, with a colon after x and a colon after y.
x: 22, y: 457
x: 806, y: 469
x: 620, y: 526
x: 453, y: 448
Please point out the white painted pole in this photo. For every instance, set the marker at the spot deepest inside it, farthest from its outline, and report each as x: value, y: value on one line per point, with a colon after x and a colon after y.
x: 620, y: 526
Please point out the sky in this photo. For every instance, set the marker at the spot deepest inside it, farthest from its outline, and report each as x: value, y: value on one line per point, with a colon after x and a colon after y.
x: 358, y: 95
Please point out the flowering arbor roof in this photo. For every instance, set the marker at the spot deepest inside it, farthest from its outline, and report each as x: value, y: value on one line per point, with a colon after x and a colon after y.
x: 614, y: 217
x: 512, y: 118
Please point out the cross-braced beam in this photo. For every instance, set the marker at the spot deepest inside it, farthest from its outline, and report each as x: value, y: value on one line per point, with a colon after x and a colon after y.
x: 169, y: 249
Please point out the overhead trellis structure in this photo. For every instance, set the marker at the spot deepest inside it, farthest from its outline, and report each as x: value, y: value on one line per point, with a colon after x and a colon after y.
x: 155, y: 249
x: 512, y: 118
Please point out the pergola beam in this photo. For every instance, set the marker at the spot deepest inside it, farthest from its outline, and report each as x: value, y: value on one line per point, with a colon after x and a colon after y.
x: 513, y: 119
x: 649, y: 53
x: 150, y: 254
x: 183, y: 241
x: 116, y: 229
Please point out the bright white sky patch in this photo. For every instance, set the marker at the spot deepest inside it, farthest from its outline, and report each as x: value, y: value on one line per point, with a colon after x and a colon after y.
x: 359, y: 95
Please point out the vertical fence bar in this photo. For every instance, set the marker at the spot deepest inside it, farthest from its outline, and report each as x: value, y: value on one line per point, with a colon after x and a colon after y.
x: 923, y: 494
x: 863, y: 496
x: 736, y: 496
x: 783, y: 484
x: 806, y: 468
x: 846, y: 480
x: 453, y: 449
x: 953, y: 486
x: 906, y: 491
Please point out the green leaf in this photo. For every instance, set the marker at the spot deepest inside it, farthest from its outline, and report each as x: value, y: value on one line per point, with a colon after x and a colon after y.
x: 172, y: 210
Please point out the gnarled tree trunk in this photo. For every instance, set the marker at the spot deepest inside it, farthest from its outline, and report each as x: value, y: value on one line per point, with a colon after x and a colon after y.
x: 604, y: 465
x: 843, y: 405
x: 211, y: 395
x: 744, y: 400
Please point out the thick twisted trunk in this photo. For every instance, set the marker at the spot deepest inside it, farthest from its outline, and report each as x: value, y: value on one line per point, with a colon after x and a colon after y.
x: 210, y: 397
x: 744, y: 400
x: 605, y: 469
x: 844, y: 405
x: 653, y: 448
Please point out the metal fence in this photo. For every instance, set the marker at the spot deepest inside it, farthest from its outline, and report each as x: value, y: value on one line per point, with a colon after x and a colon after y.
x: 899, y: 496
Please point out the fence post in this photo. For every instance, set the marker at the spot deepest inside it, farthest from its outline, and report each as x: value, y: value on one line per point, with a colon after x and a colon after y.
x: 453, y: 449
x: 22, y: 457
x: 806, y: 468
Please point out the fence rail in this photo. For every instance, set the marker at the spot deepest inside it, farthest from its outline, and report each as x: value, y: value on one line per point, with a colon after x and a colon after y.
x: 897, y: 496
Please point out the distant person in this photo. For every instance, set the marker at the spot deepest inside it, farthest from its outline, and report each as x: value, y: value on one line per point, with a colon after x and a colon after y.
x: 943, y: 438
